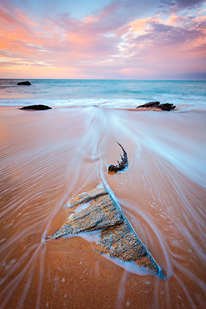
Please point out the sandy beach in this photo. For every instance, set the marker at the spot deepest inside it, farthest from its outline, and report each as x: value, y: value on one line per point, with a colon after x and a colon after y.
x: 48, y: 157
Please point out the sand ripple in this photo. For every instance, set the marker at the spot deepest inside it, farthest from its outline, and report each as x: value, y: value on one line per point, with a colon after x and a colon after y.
x: 49, y: 157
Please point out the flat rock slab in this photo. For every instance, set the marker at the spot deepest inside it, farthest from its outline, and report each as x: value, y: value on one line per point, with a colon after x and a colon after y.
x: 97, y: 210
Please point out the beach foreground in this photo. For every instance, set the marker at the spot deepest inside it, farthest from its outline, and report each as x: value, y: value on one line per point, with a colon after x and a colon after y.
x: 48, y: 157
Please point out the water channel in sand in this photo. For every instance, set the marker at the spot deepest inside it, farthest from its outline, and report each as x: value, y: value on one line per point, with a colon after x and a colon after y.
x: 46, y: 158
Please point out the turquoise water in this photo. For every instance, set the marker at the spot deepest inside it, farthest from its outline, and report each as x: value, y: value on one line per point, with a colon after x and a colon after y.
x: 186, y: 95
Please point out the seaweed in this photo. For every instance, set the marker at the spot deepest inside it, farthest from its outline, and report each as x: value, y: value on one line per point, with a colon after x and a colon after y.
x: 121, y: 165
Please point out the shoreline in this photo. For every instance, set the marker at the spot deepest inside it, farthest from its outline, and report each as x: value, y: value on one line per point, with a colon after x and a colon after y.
x: 176, y: 110
x: 48, y: 157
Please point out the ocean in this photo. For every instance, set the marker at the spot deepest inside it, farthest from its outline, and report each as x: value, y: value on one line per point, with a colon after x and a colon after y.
x: 186, y: 95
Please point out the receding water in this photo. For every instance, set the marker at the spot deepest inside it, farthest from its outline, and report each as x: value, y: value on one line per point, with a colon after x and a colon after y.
x: 48, y: 157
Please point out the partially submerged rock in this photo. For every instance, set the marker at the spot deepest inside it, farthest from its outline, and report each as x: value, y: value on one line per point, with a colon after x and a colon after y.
x: 99, y: 211
x: 156, y: 104
x: 36, y: 107
x: 150, y: 104
x: 86, y: 197
x: 27, y: 83
x: 167, y: 106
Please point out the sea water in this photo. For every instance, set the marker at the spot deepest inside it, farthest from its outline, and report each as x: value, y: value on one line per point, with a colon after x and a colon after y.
x: 186, y: 95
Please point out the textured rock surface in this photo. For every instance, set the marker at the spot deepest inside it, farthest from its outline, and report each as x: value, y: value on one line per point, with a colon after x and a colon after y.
x: 86, y: 197
x: 101, y: 212
x: 117, y: 239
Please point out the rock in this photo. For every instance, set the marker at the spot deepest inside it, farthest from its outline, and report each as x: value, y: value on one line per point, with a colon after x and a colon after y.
x: 99, y: 211
x: 156, y: 104
x: 86, y: 197
x: 149, y: 104
x: 167, y: 106
x: 27, y: 83
x: 36, y: 107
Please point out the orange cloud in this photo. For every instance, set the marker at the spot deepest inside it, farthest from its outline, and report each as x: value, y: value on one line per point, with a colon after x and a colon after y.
x: 99, y: 45
x: 140, y: 24
x: 25, y: 19
x: 91, y: 19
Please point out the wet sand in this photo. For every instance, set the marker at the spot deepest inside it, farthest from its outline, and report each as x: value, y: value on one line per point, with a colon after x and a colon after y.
x: 48, y: 157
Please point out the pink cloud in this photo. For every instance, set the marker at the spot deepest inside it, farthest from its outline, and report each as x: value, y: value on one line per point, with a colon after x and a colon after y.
x: 100, y: 45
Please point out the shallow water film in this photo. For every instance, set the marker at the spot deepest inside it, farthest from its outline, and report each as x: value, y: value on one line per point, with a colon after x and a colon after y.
x: 48, y: 157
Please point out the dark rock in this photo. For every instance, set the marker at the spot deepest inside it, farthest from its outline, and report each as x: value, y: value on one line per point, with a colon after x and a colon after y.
x: 117, y: 239
x: 156, y: 104
x: 27, y: 83
x: 150, y: 104
x: 36, y: 107
x: 167, y: 106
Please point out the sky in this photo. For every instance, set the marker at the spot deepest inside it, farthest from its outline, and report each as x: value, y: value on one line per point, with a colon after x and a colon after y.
x: 103, y: 39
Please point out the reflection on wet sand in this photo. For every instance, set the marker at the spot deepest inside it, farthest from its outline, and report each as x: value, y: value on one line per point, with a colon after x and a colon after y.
x: 49, y: 157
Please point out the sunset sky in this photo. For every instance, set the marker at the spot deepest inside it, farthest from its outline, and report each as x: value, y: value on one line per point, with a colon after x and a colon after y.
x: 106, y: 39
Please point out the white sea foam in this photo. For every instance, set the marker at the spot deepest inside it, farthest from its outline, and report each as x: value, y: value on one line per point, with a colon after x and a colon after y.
x: 186, y: 95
